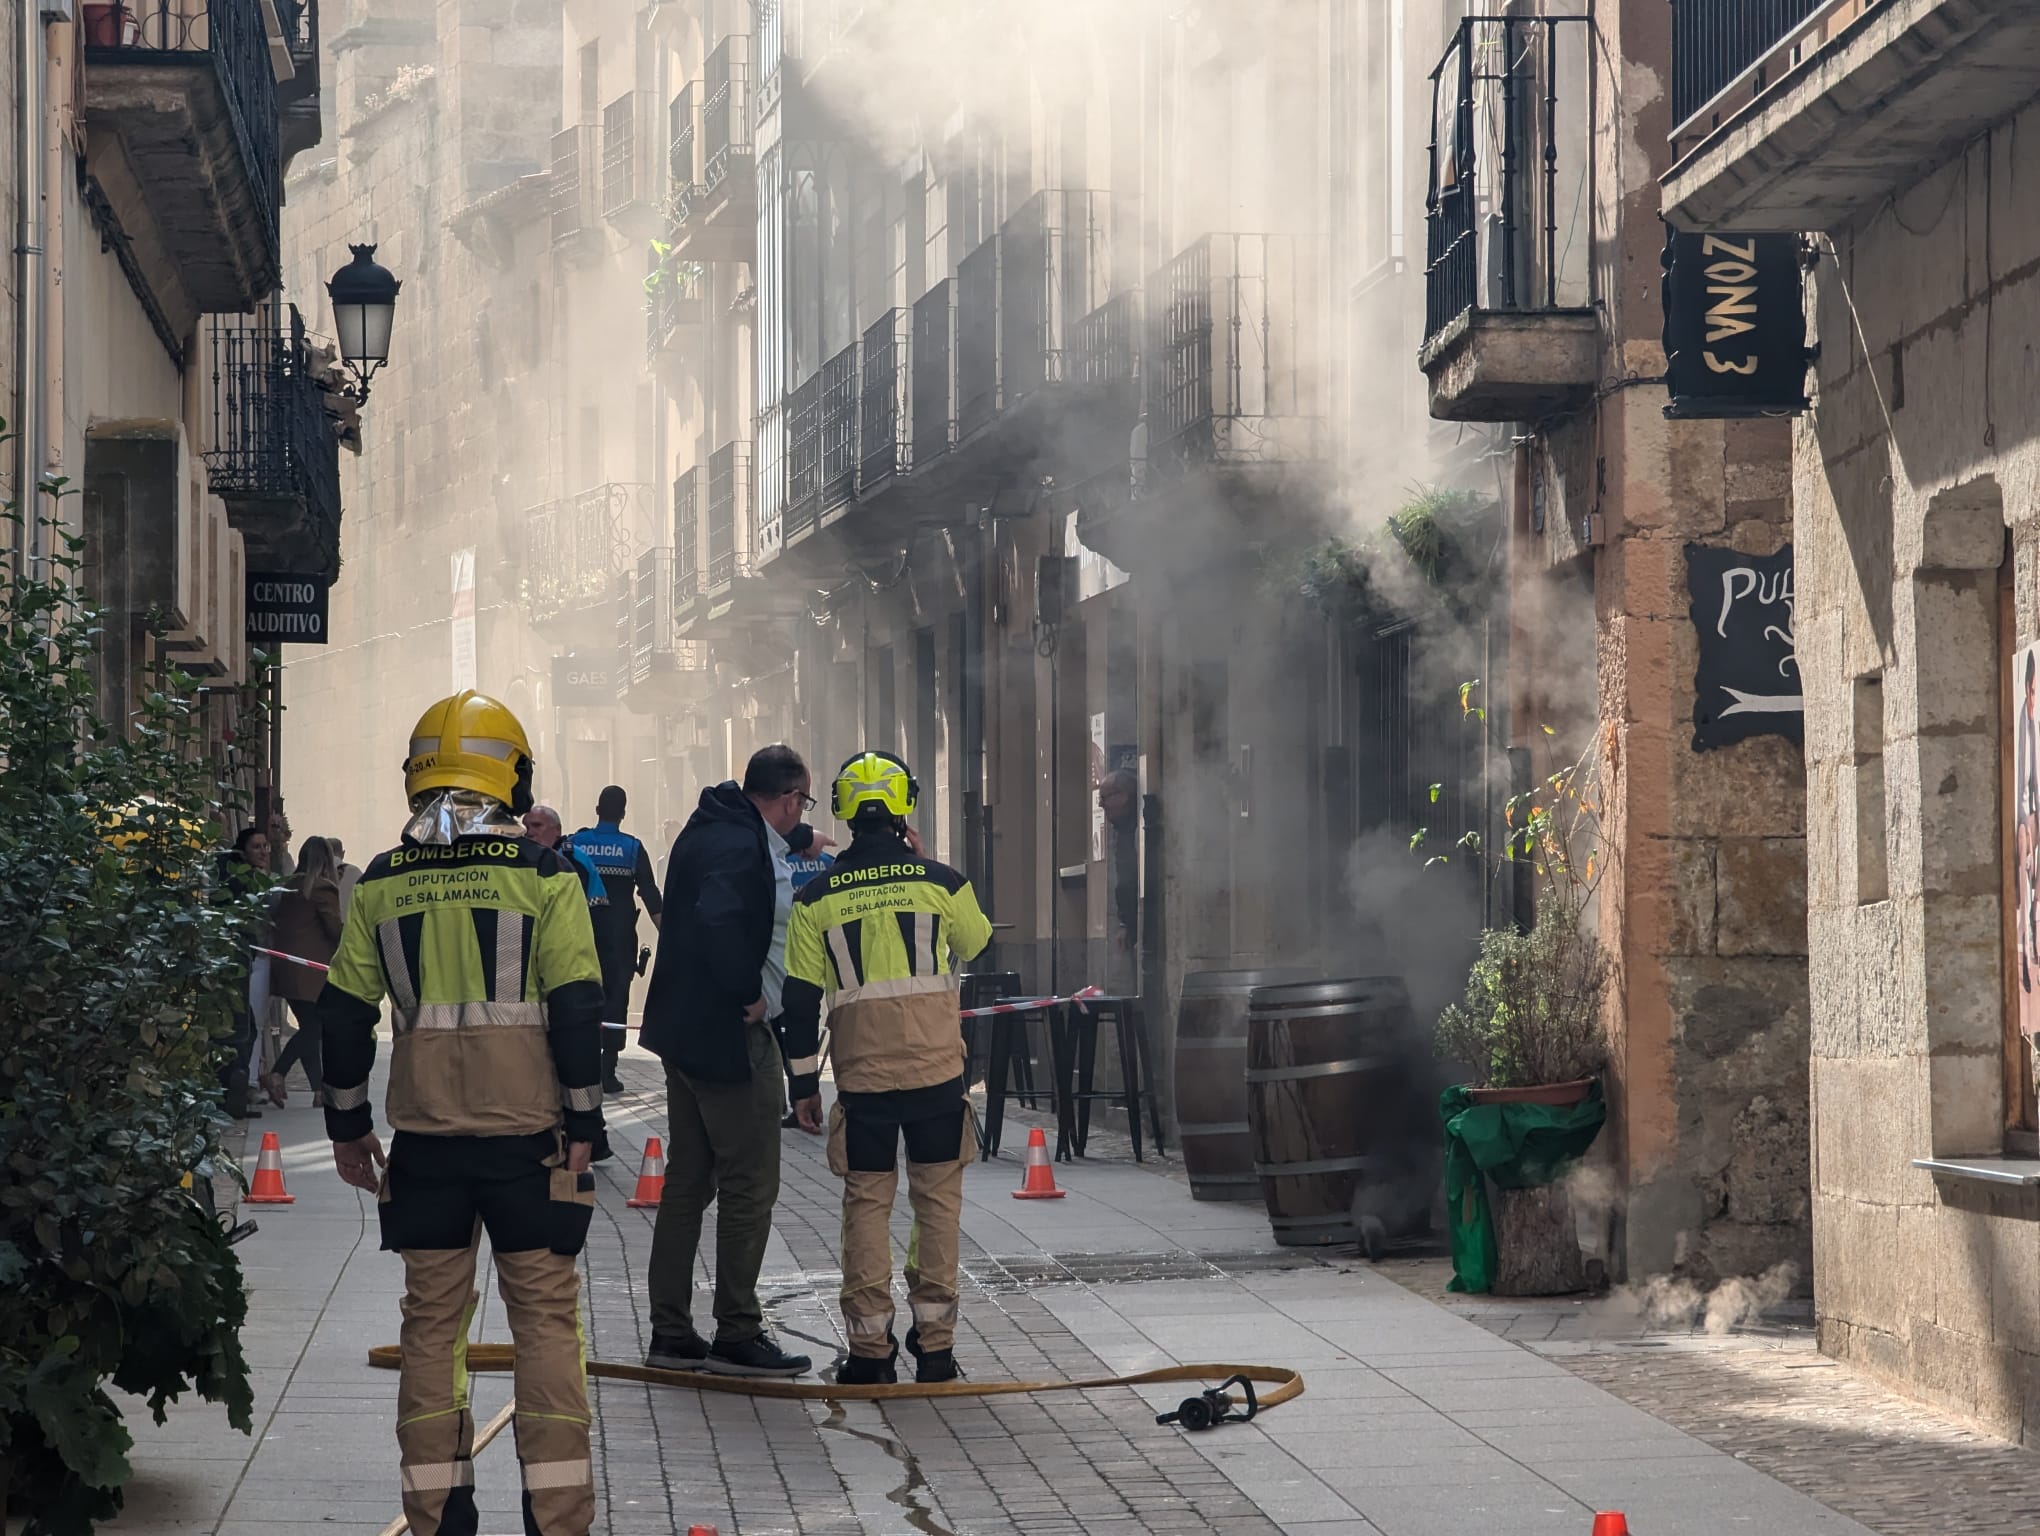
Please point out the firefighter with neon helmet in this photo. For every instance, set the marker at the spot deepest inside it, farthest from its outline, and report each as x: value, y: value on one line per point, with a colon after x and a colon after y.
x: 480, y: 939
x: 879, y: 937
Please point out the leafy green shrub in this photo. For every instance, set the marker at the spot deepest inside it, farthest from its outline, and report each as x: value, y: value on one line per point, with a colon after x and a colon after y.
x: 1532, y: 1012
x: 121, y: 963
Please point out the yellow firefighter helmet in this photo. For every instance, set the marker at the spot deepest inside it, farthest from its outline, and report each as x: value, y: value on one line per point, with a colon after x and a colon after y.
x: 873, y: 779
x: 472, y: 742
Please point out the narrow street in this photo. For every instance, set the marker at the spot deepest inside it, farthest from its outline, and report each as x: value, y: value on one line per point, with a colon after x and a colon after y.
x: 1416, y: 1421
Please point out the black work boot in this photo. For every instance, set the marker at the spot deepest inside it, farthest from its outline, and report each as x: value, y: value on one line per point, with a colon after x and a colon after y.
x: 871, y: 1371
x: 931, y: 1365
x: 611, y: 1083
x: 760, y: 1356
x: 677, y: 1351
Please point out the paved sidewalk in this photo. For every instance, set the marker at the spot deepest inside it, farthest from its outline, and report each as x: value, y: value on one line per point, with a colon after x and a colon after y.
x: 1416, y: 1422
x: 1765, y: 1394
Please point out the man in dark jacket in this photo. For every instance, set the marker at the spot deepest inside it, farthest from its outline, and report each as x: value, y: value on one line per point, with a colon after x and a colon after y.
x: 708, y: 1015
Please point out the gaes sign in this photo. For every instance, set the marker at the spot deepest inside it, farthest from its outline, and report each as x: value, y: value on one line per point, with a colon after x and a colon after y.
x: 1735, y: 335
x: 281, y: 606
x: 583, y: 682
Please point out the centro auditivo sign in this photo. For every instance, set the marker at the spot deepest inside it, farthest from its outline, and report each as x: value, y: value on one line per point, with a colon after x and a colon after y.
x: 1735, y: 334
x: 283, y: 607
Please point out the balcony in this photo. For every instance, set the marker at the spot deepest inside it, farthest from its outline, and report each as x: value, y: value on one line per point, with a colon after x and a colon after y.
x: 821, y: 459
x: 297, y: 98
x: 275, y: 455
x: 683, y: 152
x: 1232, y: 371
x: 1510, y: 333
x: 934, y: 385
x: 574, y: 550
x: 1108, y: 343
x: 676, y: 309
x: 1055, y: 270
x: 803, y: 456
x: 731, y: 535
x: 839, y: 413
x: 688, y: 490
x: 1797, y: 114
x: 721, y: 213
x: 630, y: 181
x: 661, y: 669
x: 977, y: 339
x: 576, y: 218
x: 185, y: 143
x: 884, y: 407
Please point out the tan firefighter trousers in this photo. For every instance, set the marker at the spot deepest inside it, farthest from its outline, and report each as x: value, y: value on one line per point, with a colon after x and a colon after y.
x: 858, y: 1143
x: 435, y: 1429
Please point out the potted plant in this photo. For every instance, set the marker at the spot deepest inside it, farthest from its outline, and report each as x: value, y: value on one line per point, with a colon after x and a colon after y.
x: 109, y: 25
x: 1530, y: 1032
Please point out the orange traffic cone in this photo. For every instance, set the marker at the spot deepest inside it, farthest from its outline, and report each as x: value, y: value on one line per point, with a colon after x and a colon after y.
x: 1611, y: 1522
x: 651, y: 1177
x: 700, y: 1530
x: 1038, y: 1183
x: 269, y: 1188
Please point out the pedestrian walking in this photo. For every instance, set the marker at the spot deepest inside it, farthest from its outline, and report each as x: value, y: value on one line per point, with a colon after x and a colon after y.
x: 626, y: 870
x: 307, y: 924
x: 879, y: 939
x: 243, y: 869
x: 716, y: 989
x: 482, y: 941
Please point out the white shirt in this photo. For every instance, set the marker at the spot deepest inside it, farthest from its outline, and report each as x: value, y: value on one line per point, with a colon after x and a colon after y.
x: 773, y: 983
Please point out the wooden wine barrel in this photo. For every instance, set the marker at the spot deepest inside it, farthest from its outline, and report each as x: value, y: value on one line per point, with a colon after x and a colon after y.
x: 1334, y: 1100
x: 1211, y: 1083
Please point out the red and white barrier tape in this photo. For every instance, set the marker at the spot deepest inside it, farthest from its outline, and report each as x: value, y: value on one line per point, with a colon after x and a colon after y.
x: 1080, y: 997
x: 293, y: 959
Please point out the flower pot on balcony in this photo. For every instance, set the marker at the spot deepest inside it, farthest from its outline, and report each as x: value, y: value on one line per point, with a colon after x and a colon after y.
x: 110, y: 25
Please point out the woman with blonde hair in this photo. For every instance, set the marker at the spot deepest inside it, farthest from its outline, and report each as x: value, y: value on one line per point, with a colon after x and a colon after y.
x: 307, y: 925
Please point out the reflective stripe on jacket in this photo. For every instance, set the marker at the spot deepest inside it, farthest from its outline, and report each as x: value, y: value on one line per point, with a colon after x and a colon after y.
x: 880, y: 935
x: 485, y: 952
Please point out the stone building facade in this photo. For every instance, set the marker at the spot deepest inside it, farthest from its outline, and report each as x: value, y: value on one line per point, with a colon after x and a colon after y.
x: 1915, y: 572
x: 158, y: 353
x: 1700, y: 901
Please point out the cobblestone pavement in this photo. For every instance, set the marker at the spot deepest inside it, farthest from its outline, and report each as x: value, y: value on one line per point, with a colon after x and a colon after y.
x: 1415, y: 1423
x: 1766, y: 1395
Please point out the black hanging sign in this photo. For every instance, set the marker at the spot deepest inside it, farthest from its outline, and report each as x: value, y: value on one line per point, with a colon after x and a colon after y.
x: 281, y: 607
x: 1747, y: 683
x: 1735, y: 334
x: 584, y: 682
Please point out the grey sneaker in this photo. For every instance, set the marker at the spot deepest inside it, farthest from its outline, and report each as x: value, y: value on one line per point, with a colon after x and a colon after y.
x: 754, y: 1357
x: 677, y: 1352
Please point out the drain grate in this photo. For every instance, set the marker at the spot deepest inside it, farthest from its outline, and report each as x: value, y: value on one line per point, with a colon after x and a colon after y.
x: 1026, y: 1272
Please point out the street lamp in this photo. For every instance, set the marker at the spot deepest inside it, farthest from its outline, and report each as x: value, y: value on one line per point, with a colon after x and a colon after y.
x: 364, y: 309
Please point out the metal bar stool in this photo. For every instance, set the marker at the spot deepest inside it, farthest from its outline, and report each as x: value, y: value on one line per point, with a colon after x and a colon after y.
x: 1086, y: 1022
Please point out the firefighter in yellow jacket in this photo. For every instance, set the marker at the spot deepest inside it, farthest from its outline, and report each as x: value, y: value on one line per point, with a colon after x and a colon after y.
x: 879, y: 936
x: 480, y: 939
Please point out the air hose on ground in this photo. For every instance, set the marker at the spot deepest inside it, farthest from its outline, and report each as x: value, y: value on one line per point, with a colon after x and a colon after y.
x: 1287, y: 1384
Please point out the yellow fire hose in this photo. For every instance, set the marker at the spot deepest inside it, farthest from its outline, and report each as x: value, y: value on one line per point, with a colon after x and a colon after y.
x: 1288, y: 1384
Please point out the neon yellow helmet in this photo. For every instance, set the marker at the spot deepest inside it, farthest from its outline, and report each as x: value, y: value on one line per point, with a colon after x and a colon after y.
x: 873, y: 779
x: 470, y: 741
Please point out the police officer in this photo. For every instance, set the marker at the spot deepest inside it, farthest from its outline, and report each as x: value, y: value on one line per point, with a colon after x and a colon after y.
x: 481, y: 940
x: 879, y: 936
x: 624, y: 866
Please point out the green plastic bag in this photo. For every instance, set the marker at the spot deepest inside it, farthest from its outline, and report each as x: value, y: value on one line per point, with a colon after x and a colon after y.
x: 1519, y: 1146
